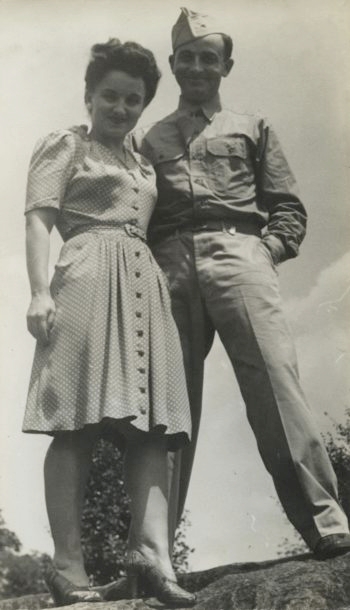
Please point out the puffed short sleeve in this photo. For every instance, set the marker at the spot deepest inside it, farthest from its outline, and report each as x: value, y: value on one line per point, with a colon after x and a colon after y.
x: 50, y: 168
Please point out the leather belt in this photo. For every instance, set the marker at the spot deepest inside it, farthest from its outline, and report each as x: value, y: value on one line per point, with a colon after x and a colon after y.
x: 211, y: 225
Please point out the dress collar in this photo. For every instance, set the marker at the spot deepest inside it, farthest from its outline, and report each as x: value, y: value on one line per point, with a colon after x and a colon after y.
x: 208, y: 108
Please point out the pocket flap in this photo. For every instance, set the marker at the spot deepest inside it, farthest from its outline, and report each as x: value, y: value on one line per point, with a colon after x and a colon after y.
x: 227, y: 147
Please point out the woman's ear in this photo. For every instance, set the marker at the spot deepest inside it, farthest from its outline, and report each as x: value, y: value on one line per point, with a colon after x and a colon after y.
x: 88, y: 102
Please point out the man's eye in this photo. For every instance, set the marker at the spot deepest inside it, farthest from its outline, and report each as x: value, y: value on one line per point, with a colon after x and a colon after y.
x: 208, y: 58
x: 185, y: 57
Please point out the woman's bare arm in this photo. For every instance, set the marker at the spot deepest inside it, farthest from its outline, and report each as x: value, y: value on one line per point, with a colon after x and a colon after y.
x: 41, y: 312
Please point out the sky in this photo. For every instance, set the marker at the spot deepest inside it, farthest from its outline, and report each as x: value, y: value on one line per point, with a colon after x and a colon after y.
x: 292, y: 64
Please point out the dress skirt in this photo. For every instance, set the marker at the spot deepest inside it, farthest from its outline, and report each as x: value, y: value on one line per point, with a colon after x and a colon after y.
x: 114, y: 353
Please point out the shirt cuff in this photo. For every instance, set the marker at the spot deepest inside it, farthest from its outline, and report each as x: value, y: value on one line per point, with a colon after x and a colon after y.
x: 276, y: 248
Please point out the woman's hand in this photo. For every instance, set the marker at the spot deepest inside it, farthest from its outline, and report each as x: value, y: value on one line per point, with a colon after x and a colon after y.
x: 41, y: 317
x: 41, y: 312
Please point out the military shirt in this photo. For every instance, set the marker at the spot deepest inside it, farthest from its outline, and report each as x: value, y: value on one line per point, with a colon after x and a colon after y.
x: 215, y: 164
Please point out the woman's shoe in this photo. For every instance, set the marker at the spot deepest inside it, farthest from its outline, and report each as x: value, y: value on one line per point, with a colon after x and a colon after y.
x: 113, y: 591
x: 143, y: 576
x: 65, y: 593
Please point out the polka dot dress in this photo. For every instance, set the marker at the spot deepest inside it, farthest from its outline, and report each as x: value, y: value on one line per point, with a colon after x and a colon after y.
x: 114, y: 354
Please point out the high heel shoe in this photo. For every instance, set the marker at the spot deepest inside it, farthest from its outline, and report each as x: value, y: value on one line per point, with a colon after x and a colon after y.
x: 143, y: 576
x: 65, y: 593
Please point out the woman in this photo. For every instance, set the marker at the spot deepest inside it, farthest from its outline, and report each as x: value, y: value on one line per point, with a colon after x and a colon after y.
x: 108, y: 359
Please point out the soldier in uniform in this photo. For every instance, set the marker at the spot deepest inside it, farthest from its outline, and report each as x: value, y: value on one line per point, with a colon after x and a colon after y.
x: 228, y: 213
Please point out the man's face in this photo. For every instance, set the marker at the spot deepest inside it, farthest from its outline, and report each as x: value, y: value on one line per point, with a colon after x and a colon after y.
x: 198, y: 67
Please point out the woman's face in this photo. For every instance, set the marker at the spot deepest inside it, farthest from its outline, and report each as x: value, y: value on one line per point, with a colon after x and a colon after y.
x: 115, y: 106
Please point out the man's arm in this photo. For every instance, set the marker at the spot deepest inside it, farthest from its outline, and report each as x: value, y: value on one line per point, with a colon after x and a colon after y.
x: 278, y: 193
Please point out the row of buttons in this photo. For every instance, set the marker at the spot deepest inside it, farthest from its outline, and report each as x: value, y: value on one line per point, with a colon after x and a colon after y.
x: 140, y: 340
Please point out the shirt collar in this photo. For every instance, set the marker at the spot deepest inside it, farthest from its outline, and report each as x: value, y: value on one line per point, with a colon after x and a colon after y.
x: 208, y: 108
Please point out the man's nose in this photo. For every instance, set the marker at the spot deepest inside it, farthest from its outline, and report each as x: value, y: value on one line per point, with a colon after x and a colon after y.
x: 196, y: 65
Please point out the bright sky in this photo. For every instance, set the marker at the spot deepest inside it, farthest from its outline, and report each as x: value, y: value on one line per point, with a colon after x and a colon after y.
x: 292, y: 64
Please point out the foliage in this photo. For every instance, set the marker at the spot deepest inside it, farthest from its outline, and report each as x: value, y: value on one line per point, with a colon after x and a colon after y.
x: 338, y: 447
x: 19, y: 574
x: 106, y: 515
x: 23, y: 574
x: 181, y: 551
x: 106, y: 519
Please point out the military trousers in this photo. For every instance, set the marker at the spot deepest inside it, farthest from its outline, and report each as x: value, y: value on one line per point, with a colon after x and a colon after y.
x: 226, y: 282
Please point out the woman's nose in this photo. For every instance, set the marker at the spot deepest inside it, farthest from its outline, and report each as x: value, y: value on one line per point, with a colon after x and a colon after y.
x: 119, y: 108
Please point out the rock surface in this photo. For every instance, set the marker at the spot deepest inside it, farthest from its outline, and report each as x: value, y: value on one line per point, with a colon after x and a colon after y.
x: 296, y: 583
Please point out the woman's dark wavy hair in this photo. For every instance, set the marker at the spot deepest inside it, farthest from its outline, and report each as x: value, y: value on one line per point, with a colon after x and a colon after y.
x: 129, y: 57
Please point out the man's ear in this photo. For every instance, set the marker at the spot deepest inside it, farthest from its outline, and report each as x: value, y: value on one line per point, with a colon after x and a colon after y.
x: 228, y: 64
x: 171, y: 62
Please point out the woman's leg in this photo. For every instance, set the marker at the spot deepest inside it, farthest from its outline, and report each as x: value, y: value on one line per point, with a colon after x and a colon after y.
x: 146, y: 477
x: 66, y: 471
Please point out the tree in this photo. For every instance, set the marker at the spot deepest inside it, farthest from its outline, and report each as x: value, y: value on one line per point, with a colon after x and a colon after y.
x: 106, y: 515
x: 338, y: 447
x: 106, y: 519
x: 181, y: 552
x: 19, y: 574
x: 8, y: 539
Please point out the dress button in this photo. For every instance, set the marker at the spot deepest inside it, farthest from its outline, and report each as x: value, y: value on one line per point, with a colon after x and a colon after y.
x: 138, y: 314
x: 140, y: 333
x: 141, y: 370
x: 143, y: 410
x: 142, y: 390
x: 138, y: 295
x: 137, y: 273
x: 141, y: 353
x: 136, y: 207
x: 137, y: 253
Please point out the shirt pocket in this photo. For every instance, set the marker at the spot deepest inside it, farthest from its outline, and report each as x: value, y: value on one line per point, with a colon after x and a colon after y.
x: 229, y: 165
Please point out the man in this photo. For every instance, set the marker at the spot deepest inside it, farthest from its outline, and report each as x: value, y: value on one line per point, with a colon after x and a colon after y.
x: 228, y: 213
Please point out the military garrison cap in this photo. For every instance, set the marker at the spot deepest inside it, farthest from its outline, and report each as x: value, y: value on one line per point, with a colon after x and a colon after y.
x: 191, y: 25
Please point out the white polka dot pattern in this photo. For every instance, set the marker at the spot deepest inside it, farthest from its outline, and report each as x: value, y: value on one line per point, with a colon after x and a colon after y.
x: 114, y: 352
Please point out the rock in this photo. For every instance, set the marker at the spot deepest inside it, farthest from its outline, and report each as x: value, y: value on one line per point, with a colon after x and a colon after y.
x: 295, y: 583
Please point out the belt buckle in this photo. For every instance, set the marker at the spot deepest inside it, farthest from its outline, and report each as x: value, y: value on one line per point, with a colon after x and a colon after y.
x: 132, y: 230
x: 231, y: 230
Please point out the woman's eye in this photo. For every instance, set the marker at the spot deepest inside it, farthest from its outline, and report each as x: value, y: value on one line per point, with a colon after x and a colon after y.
x: 109, y: 97
x: 133, y: 100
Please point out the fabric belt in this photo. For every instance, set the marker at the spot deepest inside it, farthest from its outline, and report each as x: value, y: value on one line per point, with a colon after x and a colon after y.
x: 128, y: 228
x: 212, y: 225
